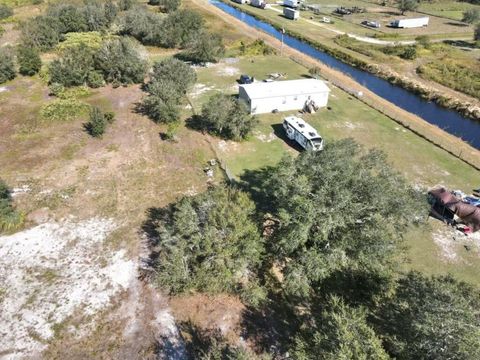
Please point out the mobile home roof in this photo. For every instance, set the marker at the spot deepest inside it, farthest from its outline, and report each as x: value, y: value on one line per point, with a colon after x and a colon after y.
x: 261, y: 90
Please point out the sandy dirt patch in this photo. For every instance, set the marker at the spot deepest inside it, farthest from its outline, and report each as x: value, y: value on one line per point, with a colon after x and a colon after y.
x: 453, y: 244
x: 51, y: 271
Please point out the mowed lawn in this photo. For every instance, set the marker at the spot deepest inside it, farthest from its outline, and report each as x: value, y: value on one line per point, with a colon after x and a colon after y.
x: 423, y: 164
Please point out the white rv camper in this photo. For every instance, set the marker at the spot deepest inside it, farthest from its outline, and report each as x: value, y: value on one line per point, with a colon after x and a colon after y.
x: 304, y: 134
x: 410, y: 23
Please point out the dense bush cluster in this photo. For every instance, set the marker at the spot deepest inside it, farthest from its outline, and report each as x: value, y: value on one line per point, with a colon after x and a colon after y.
x: 117, y: 61
x: 210, y: 242
x: 225, y: 116
x: 7, y: 65
x: 169, y: 82
x: 5, y: 11
x: 28, y: 60
x: 10, y: 219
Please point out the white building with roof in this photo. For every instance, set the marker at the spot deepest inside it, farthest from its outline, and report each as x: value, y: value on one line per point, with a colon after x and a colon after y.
x: 265, y: 97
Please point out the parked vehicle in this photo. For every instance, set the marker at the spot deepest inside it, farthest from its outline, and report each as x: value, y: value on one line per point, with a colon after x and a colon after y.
x: 373, y: 24
x: 304, y: 134
x: 245, y: 79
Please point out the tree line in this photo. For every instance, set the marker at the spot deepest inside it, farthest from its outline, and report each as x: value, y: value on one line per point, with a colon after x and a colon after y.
x: 320, y: 236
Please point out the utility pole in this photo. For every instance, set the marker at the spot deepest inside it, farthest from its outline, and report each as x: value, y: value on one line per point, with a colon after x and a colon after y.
x: 281, y: 48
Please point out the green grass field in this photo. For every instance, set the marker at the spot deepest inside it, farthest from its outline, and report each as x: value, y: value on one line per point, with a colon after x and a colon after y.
x: 423, y: 164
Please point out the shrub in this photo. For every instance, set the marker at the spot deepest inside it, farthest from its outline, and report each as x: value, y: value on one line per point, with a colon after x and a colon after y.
x: 7, y: 65
x: 206, y: 47
x: 423, y: 40
x: 125, y: 4
x: 409, y: 53
x: 257, y: 47
x: 120, y: 61
x: 29, y: 61
x: 407, y: 5
x: 209, y: 242
x: 97, y: 124
x: 5, y: 11
x: 95, y: 79
x: 476, y: 35
x: 225, y: 116
x: 94, y: 15
x: 143, y: 25
x: 9, y: 218
x: 160, y: 110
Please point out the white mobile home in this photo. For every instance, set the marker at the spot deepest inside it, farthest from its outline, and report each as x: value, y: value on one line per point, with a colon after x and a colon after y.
x: 304, y: 134
x: 410, y: 23
x: 291, y: 3
x: 265, y: 97
x: 291, y: 14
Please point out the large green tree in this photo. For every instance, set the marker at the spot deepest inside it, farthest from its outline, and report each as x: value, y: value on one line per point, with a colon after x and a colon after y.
x: 431, y: 318
x: 407, y: 5
x: 169, y: 82
x: 73, y: 67
x: 471, y: 16
x: 338, y: 332
x: 225, y: 116
x: 41, y: 32
x: 181, y: 27
x: 210, y: 243
x: 70, y: 17
x: 120, y: 61
x: 205, y: 47
x: 340, y: 209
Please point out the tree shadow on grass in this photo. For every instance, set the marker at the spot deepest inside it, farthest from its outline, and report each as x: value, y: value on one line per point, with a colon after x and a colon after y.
x: 272, y: 327
x: 460, y: 43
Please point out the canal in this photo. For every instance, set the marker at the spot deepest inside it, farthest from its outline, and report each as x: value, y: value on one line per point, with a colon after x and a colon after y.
x: 449, y: 120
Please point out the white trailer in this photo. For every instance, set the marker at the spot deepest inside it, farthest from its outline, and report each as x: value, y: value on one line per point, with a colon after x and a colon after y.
x: 304, y: 134
x: 410, y: 23
x: 240, y: 1
x: 291, y: 3
x: 291, y: 14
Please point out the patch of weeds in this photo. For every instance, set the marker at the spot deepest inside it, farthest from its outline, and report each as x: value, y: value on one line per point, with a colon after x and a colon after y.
x: 83, y: 171
x: 53, y: 200
x: 69, y: 151
x: 47, y: 276
x: 3, y: 294
x: 112, y: 147
x: 36, y: 336
x: 64, y: 110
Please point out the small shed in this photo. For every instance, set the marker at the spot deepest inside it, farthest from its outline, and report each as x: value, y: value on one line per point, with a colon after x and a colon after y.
x: 291, y: 14
x: 266, y: 97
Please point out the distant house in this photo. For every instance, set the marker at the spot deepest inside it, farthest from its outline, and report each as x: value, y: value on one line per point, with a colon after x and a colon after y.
x: 410, y: 23
x: 291, y: 14
x: 265, y: 97
x: 258, y: 3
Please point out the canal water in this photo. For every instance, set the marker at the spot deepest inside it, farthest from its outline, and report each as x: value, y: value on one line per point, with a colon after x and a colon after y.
x: 449, y: 120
